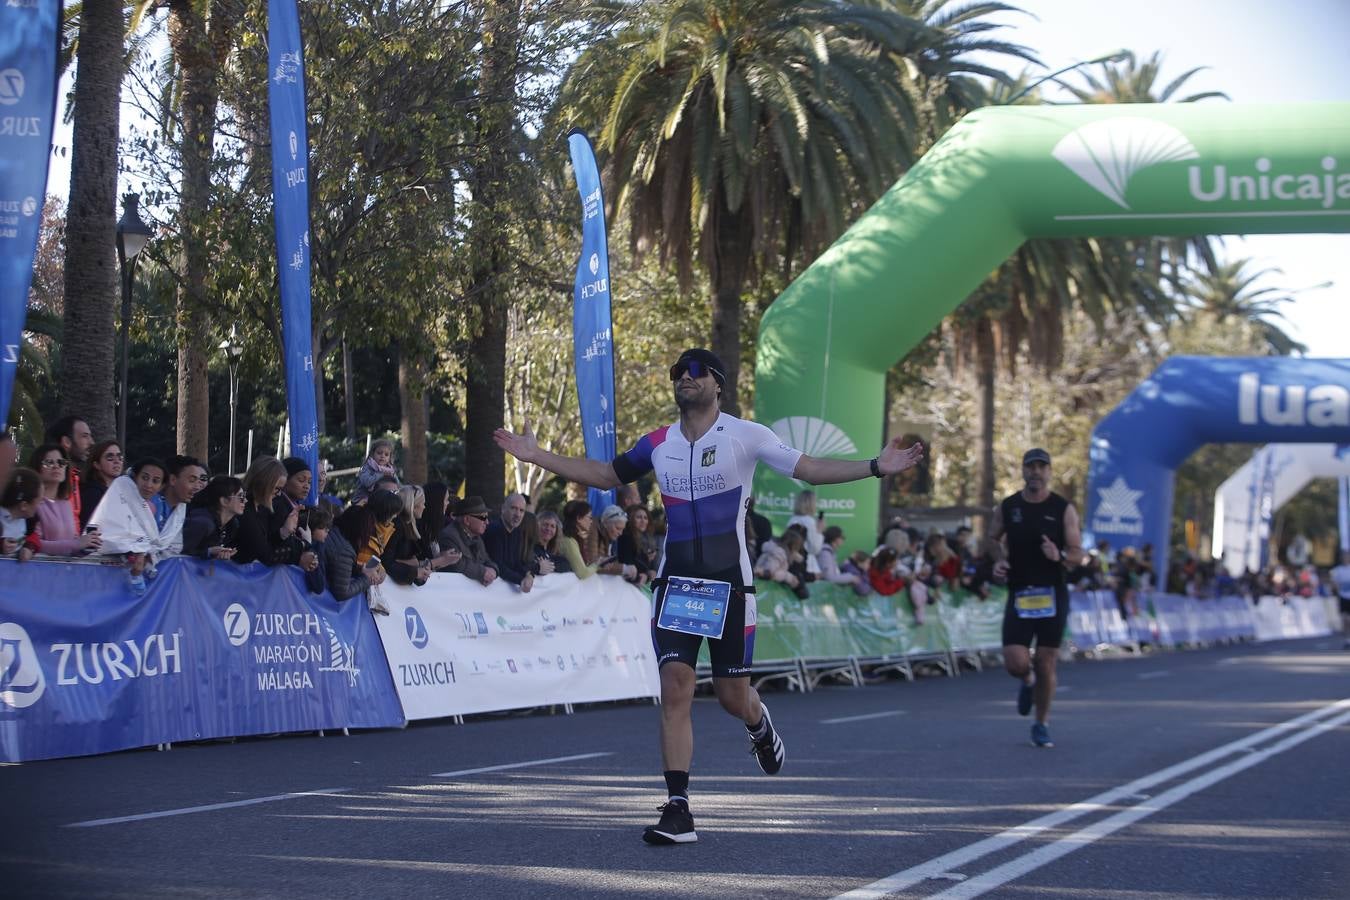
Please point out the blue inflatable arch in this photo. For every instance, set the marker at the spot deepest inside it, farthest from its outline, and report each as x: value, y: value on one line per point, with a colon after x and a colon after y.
x: 1191, y: 401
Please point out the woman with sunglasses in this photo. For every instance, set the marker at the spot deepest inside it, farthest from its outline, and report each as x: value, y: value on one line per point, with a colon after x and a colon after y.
x: 704, y: 465
x: 58, y: 530
x: 105, y: 465
x: 212, y: 524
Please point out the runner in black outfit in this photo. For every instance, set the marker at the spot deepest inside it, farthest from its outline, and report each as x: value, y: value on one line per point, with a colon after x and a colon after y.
x: 1041, y: 532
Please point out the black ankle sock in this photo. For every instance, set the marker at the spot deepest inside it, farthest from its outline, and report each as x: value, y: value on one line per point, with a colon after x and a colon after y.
x: 758, y: 731
x: 677, y: 784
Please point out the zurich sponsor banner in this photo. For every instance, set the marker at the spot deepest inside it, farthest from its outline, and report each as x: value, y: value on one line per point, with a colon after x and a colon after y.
x: 1191, y: 401
x: 290, y: 193
x: 209, y: 651
x: 457, y: 647
x: 28, y: 44
x: 592, y: 329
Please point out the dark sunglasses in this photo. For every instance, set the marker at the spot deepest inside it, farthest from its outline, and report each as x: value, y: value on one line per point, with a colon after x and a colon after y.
x: 695, y: 369
x: 478, y: 517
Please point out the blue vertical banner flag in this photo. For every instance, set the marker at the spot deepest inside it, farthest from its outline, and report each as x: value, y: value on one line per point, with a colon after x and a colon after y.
x: 290, y: 195
x: 592, y: 334
x: 28, y: 42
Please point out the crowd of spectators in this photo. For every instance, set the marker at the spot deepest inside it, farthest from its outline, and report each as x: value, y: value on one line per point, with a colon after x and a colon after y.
x: 76, y: 497
x: 904, y: 559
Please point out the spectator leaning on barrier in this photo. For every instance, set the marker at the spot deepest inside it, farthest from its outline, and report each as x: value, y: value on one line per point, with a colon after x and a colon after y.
x: 635, y: 545
x: 295, y: 491
x: 613, y: 522
x: 432, y: 523
x: 72, y: 435
x: 184, y: 477
x: 576, y: 526
x: 403, y: 557
x: 804, y: 513
x: 776, y: 558
x: 318, y: 522
x: 105, y: 464
x: 212, y: 522
x: 128, y: 526
x: 345, y: 577
x: 504, y: 542
x: 762, y: 527
x: 18, y: 505
x: 465, y: 534
x: 57, y: 532
x: 550, y: 538
x: 261, y: 538
x: 829, y: 559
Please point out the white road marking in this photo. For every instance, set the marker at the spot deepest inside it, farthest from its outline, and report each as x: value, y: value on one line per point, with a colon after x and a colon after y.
x: 520, y: 765
x: 1014, y: 869
x: 957, y: 858
x: 163, y: 814
x: 879, y: 715
x: 1158, y: 674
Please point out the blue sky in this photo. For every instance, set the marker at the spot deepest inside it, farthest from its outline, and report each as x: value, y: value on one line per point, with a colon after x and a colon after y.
x: 1256, y: 52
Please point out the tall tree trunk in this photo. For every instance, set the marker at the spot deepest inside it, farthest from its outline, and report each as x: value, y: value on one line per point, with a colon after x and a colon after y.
x: 200, y: 45
x: 92, y: 285
x: 485, y: 394
x: 727, y: 274
x: 986, y: 365
x: 412, y: 396
x: 347, y: 397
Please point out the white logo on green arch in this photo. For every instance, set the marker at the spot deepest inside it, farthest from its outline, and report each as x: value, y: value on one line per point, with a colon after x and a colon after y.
x: 1107, y: 154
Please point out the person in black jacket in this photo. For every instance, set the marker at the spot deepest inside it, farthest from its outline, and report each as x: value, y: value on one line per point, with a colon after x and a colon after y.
x: 354, y: 528
x: 318, y: 522
x: 404, y: 554
x: 210, y: 530
x: 508, y: 549
x: 260, y: 538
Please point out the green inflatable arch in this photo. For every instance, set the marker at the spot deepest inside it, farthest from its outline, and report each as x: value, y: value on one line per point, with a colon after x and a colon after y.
x: 1002, y: 176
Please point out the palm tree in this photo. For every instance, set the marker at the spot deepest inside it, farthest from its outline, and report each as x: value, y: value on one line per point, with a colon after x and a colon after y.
x: 1132, y: 81
x: 91, y: 270
x: 1230, y: 292
x: 759, y: 128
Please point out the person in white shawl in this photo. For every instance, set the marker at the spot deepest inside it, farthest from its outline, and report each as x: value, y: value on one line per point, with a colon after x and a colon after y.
x: 126, y: 522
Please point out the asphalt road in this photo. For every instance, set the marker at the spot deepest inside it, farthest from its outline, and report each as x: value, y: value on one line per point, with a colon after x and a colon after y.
x: 1212, y: 773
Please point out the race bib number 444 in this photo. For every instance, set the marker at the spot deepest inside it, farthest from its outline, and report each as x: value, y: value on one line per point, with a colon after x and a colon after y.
x: 692, y: 606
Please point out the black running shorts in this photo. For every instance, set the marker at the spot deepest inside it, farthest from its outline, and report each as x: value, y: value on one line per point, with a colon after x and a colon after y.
x: 1048, y: 632
x: 730, y: 654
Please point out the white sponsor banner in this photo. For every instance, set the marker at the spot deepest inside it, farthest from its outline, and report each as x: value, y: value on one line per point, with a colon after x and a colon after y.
x: 456, y: 647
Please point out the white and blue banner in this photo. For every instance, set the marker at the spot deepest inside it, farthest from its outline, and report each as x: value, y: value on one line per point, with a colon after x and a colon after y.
x: 456, y: 647
x: 290, y: 193
x: 211, y: 650
x: 28, y: 43
x: 592, y: 329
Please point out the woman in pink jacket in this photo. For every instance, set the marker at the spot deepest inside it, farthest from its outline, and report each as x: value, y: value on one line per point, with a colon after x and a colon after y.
x: 58, y: 531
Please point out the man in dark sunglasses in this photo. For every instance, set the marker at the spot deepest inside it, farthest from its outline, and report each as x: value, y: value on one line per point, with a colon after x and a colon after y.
x: 465, y: 533
x: 704, y: 465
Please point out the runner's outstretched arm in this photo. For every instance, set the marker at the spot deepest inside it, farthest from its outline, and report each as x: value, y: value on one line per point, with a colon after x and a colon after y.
x: 892, y: 459
x: 524, y: 447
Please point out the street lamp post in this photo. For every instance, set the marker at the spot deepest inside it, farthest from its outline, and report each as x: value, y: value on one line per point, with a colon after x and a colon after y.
x: 1113, y: 56
x: 132, y: 236
x: 233, y: 350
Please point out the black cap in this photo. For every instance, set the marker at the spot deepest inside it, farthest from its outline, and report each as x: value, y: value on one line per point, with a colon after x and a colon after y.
x: 1035, y: 455
x: 705, y: 357
x: 294, y: 465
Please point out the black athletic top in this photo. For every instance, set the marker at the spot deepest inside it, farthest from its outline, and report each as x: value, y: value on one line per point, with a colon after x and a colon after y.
x: 1025, y: 523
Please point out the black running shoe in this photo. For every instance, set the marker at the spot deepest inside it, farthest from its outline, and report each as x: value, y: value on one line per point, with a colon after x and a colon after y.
x: 676, y: 826
x: 768, y: 750
x: 1024, y: 696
